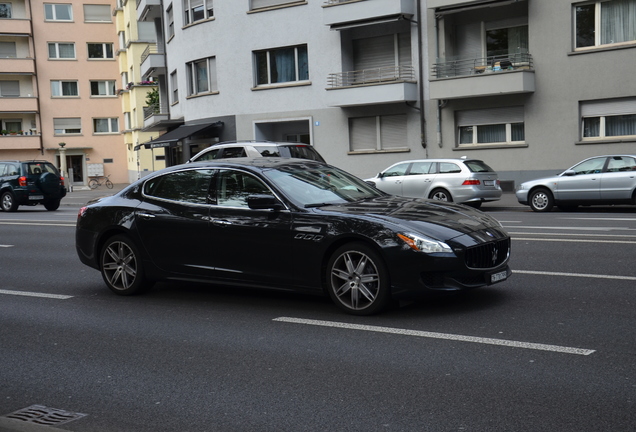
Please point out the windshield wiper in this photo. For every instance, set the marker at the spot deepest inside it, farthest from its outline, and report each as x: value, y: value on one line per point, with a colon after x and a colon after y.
x: 323, y: 204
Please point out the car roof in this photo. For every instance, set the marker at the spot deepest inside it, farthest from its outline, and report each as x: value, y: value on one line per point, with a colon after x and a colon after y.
x: 245, y: 162
x: 277, y: 143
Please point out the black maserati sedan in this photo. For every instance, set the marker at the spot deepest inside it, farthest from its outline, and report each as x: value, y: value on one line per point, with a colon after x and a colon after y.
x: 288, y: 224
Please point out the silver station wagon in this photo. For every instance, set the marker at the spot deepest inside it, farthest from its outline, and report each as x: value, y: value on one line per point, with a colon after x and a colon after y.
x: 464, y: 181
x: 609, y: 179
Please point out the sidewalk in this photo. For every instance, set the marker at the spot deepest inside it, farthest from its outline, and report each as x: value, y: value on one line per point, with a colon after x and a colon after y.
x: 79, y: 197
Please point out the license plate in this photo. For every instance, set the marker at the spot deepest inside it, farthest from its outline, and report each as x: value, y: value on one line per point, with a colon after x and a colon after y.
x: 498, y: 277
x: 489, y: 182
x: 36, y: 197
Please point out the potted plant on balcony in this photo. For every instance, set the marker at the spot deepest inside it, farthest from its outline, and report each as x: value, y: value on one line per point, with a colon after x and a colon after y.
x: 4, y: 131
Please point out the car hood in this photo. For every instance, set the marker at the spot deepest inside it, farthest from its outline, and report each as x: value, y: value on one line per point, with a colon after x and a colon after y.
x: 439, y: 220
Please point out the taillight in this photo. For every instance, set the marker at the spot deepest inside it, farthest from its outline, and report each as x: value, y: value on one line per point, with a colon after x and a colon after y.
x: 22, y: 181
x: 470, y: 183
x: 62, y: 180
x: 81, y: 212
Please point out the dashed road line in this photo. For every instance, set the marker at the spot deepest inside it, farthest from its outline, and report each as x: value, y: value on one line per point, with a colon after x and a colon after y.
x: 36, y: 294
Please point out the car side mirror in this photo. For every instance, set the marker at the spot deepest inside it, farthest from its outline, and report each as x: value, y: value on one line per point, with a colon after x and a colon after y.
x: 369, y: 182
x: 264, y: 202
x: 569, y: 173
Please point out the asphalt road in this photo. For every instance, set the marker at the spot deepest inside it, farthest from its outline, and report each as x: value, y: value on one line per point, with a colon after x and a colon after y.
x: 551, y: 349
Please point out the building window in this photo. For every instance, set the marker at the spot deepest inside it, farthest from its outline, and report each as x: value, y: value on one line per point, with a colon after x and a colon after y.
x: 58, y: 12
x: 386, y: 132
x: 5, y: 10
x: 261, y: 4
x: 282, y: 65
x: 605, y: 23
x: 8, y: 50
x: 201, y: 76
x: 11, y: 125
x: 103, y: 88
x: 608, y: 119
x: 127, y: 123
x: 100, y: 50
x: 59, y: 50
x: 170, y: 21
x: 67, y: 126
x: 97, y: 13
x: 9, y: 88
x: 106, y: 125
x: 491, y: 126
x: 64, y: 89
x: 506, y: 41
x: 174, y: 84
x: 197, y: 10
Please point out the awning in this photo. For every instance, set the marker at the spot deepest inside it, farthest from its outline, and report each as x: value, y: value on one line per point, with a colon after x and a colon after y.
x: 372, y: 21
x: 171, y: 138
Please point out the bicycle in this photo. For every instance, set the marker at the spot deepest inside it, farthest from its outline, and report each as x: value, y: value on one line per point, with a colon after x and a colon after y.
x: 95, y: 182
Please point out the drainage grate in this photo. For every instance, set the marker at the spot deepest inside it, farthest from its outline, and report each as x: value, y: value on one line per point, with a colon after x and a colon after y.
x: 42, y: 415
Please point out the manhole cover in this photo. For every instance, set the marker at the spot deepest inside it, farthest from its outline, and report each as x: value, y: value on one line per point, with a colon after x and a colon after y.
x: 42, y: 415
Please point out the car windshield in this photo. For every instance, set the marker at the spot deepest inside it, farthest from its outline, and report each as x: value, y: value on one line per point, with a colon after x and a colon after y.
x: 313, y: 186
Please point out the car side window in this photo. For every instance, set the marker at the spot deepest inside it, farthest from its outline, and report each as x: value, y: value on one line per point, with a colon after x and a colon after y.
x: 2, y: 169
x: 592, y: 166
x: 191, y: 186
x: 233, y: 187
x: 268, y: 150
x: 12, y: 170
x: 397, y: 170
x: 233, y: 152
x: 449, y: 168
x: 621, y: 163
x: 421, y: 168
x: 212, y: 154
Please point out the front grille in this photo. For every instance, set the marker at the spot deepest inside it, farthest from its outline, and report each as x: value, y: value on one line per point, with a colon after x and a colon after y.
x: 487, y: 255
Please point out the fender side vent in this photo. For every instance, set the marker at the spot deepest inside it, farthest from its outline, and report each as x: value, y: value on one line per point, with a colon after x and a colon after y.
x: 39, y: 414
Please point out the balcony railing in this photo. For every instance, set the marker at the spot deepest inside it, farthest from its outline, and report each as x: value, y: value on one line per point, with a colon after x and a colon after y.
x: 150, y: 49
x: 372, y: 76
x: 473, y: 66
x: 160, y: 108
x: 332, y: 2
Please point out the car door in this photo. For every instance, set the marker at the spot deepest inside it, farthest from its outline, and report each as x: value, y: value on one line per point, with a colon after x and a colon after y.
x: 248, y: 245
x: 417, y: 183
x: 583, y: 183
x: 390, y: 181
x: 173, y: 220
x: 619, y: 179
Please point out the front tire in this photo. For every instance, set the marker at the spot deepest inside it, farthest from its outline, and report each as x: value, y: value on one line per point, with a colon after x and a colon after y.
x: 121, y: 266
x: 541, y: 200
x: 8, y: 202
x: 357, y: 280
x: 441, y: 195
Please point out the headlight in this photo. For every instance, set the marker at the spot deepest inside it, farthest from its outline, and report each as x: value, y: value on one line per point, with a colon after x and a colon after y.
x: 425, y: 245
x: 522, y: 186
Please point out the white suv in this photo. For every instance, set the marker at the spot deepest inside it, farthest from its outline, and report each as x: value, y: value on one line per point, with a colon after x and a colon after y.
x: 236, y: 149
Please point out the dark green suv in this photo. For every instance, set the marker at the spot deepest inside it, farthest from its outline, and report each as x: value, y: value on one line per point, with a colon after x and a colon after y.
x: 30, y: 183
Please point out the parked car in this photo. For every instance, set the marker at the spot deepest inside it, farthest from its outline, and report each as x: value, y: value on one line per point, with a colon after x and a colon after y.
x: 30, y: 183
x: 288, y: 224
x: 236, y: 149
x: 609, y: 179
x: 465, y: 181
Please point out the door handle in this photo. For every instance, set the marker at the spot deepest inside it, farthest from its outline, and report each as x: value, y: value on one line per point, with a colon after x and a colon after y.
x: 221, y: 222
x: 145, y: 215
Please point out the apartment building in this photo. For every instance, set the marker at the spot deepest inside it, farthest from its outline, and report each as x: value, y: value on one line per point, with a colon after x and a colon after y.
x: 139, y: 97
x: 529, y: 86
x: 57, y: 87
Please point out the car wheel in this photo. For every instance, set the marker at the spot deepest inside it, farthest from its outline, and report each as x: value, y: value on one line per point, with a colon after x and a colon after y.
x: 8, y: 202
x: 541, y: 200
x: 357, y: 279
x: 121, y: 266
x: 52, y: 205
x: 441, y: 195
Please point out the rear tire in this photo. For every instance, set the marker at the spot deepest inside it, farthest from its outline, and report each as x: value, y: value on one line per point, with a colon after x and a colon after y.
x: 121, y: 267
x: 52, y: 205
x: 8, y: 202
x: 440, y: 195
x: 541, y: 200
x: 357, y: 280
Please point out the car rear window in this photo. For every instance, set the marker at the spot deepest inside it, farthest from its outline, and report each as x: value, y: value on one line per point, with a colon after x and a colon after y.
x: 478, y: 166
x: 302, y: 152
x: 268, y: 150
x: 40, y: 168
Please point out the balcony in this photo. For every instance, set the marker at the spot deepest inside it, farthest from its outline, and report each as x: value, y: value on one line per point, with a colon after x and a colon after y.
x: 18, y: 104
x: 157, y: 118
x: 17, y: 66
x: 153, y: 62
x: 372, y: 86
x: 148, y: 10
x: 16, y: 27
x: 352, y: 13
x: 476, y: 77
x: 19, y: 142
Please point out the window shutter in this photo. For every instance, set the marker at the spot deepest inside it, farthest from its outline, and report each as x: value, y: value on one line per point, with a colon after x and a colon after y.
x: 67, y: 123
x: 146, y: 31
x: 7, y: 50
x: 373, y: 53
x: 490, y: 116
x: 363, y: 133
x: 608, y: 107
x: 97, y: 13
x: 10, y: 88
x: 393, y: 131
x: 258, y: 4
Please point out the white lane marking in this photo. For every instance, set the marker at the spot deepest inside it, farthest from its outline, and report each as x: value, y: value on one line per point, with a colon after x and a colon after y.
x: 6, y: 246
x: 596, y: 276
x: 447, y: 336
x: 601, y: 219
x: 68, y: 224
x: 576, y: 228
x: 35, y: 294
x: 573, y: 235
x: 573, y: 240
